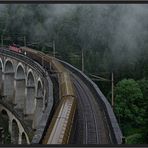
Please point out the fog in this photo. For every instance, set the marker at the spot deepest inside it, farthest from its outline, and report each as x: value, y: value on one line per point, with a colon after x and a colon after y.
x: 121, y: 28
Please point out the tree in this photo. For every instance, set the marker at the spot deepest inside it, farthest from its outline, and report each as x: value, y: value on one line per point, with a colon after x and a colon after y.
x: 144, y: 88
x: 127, y: 107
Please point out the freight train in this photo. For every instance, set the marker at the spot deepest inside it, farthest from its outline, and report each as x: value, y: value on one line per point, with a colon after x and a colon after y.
x: 64, y: 115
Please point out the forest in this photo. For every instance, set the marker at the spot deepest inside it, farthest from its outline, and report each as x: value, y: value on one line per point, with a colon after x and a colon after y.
x: 113, y: 39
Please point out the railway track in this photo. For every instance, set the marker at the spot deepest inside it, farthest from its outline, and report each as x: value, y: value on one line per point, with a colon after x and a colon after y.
x: 91, y: 125
x: 95, y: 122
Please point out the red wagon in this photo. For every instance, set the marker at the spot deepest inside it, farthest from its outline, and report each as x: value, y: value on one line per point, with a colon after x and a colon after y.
x: 15, y: 48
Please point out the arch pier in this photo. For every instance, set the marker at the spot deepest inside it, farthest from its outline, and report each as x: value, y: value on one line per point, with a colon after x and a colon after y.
x: 26, y: 92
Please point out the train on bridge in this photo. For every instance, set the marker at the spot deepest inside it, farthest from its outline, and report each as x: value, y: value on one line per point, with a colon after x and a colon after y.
x: 15, y: 48
x: 59, y: 129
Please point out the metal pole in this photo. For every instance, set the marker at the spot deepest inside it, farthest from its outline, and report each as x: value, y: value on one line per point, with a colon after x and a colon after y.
x: 24, y: 41
x: 42, y: 62
x: 1, y: 40
x: 112, y: 85
x: 82, y: 60
x: 53, y: 44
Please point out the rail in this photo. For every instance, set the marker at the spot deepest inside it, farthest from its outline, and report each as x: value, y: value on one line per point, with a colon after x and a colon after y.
x: 65, y: 111
x: 113, y: 124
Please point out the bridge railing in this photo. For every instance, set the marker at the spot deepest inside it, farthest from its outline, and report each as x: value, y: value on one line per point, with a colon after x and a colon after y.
x: 113, y: 124
x: 23, y: 59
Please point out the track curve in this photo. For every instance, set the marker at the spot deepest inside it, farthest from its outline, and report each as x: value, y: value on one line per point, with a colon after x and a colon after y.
x: 110, y: 131
x: 95, y: 121
x: 94, y: 126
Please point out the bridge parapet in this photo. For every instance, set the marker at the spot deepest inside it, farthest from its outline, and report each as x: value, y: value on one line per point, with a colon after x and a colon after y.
x: 113, y: 124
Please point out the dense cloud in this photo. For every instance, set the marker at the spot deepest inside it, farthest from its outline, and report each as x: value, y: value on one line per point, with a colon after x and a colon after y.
x: 121, y: 28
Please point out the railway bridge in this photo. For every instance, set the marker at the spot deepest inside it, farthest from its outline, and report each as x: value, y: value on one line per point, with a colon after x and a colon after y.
x: 48, y: 101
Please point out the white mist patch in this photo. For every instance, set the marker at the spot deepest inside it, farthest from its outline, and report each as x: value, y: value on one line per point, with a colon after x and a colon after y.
x: 120, y: 28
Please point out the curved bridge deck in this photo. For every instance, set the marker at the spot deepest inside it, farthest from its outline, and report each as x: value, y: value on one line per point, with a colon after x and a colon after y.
x: 95, y: 122
x: 91, y: 127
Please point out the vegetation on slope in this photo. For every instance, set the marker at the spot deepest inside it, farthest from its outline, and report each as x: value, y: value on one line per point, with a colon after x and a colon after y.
x: 114, y: 38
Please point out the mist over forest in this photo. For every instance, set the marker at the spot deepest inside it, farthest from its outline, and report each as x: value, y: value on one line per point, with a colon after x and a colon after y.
x: 114, y: 38
x: 118, y: 30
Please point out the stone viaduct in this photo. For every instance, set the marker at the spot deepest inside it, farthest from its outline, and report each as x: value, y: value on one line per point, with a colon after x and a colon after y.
x: 32, y: 97
x: 26, y: 93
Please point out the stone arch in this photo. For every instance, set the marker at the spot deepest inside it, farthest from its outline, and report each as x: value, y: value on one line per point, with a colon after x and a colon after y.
x: 20, y: 84
x: 5, y: 118
x: 30, y: 78
x: 1, y: 73
x: 4, y: 113
x: 39, y: 103
x: 30, y: 94
x: 15, y: 132
x: 8, y: 66
x: 39, y: 92
x: 9, y: 81
x: 1, y: 65
x: 24, y: 138
x: 20, y: 71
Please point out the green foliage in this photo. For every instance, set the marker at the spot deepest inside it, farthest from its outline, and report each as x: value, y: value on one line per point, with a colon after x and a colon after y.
x: 134, y: 139
x: 132, y: 109
x: 144, y: 126
x: 99, y: 32
x: 143, y: 83
x: 127, y: 97
x: 4, y: 124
